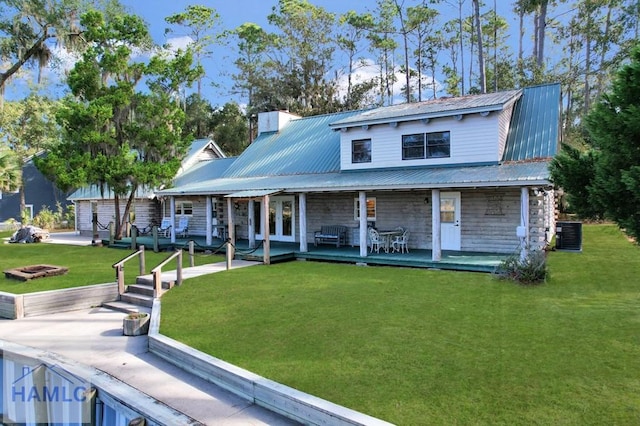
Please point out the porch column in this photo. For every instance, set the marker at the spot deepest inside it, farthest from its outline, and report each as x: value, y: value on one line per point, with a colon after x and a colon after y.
x: 523, y: 229
x: 231, y: 232
x: 208, y: 230
x: 362, y: 199
x: 251, y: 212
x: 172, y: 214
x: 436, y: 247
x: 266, y: 247
x: 302, y: 200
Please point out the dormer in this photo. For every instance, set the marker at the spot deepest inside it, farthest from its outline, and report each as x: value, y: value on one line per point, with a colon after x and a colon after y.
x: 447, y: 131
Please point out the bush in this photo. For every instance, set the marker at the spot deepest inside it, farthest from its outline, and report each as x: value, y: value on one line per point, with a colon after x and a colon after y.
x: 46, y: 219
x: 530, y: 270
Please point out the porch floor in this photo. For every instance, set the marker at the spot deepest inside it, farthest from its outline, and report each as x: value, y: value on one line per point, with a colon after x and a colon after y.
x: 282, y: 251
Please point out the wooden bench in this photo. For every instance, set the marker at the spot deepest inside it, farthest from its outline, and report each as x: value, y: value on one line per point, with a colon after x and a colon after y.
x: 331, y: 234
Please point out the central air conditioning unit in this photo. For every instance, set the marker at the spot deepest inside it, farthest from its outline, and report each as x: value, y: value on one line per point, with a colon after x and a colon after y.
x: 569, y: 236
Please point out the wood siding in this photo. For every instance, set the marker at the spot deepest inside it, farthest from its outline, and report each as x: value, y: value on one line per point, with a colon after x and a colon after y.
x: 474, y: 139
x: 504, y: 122
x: 145, y: 214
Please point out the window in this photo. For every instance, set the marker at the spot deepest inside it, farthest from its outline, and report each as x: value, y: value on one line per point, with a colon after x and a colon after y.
x: 426, y: 145
x: 184, y: 208
x: 361, y: 151
x: 413, y: 146
x: 371, y: 208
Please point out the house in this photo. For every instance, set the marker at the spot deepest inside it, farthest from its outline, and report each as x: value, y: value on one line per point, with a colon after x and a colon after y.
x: 39, y: 192
x: 462, y: 174
x: 147, y: 208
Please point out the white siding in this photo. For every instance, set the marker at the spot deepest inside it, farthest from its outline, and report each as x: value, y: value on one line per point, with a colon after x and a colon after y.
x: 145, y: 213
x: 504, y: 121
x: 474, y: 139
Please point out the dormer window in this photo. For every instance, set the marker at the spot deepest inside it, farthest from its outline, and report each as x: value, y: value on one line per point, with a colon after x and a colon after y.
x: 361, y: 151
x: 426, y: 145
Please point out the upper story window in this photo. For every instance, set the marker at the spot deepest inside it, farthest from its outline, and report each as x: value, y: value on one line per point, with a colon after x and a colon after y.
x: 184, y: 208
x: 361, y: 151
x: 426, y: 145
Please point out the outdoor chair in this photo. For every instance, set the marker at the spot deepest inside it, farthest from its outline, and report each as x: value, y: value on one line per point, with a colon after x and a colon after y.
x: 183, y: 227
x: 165, y: 227
x: 375, y: 240
x: 401, y: 242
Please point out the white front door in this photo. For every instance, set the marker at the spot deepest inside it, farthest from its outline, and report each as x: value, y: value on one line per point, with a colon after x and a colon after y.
x: 282, y: 219
x: 450, y: 220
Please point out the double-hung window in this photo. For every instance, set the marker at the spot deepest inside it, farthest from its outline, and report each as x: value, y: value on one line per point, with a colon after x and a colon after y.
x: 426, y: 145
x: 361, y: 151
x: 184, y: 208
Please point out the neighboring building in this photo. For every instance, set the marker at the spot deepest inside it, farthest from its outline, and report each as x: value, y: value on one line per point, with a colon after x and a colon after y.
x: 39, y: 192
x: 147, y: 209
x: 462, y: 174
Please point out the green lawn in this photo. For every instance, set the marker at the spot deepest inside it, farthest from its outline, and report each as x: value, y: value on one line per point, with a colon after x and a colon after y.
x: 87, y: 265
x: 432, y: 347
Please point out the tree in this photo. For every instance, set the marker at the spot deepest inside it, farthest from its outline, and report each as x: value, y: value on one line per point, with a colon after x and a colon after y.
x: 200, y: 20
x: 198, y: 113
x: 117, y: 135
x: 481, y: 64
x: 354, y: 29
x: 302, y: 57
x: 27, y: 127
x: 253, y: 43
x: 614, y: 128
x: 10, y: 170
x: 230, y: 129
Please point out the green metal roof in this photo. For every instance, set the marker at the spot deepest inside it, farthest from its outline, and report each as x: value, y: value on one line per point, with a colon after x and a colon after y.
x: 305, y: 145
x: 510, y: 174
x: 535, y: 124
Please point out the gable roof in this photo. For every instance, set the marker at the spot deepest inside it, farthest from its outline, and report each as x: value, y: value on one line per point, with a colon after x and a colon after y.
x: 200, y: 151
x: 442, y: 107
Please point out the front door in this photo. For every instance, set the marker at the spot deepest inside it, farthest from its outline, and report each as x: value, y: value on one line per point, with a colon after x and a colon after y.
x: 282, y: 219
x: 450, y: 220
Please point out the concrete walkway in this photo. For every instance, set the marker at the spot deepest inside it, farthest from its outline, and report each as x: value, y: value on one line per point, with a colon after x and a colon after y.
x: 94, y: 337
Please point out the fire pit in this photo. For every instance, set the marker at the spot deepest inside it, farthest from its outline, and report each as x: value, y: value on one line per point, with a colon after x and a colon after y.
x: 26, y: 273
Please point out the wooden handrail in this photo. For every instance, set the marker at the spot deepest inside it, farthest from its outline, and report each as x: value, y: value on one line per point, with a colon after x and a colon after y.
x: 119, y: 267
x: 157, y: 272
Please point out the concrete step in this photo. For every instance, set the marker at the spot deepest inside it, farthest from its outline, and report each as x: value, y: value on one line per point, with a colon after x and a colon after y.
x: 137, y: 299
x: 120, y: 306
x: 146, y: 290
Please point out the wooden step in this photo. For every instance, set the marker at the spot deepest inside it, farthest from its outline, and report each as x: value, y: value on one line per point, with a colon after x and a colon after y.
x: 120, y: 306
x: 146, y: 290
x: 147, y: 281
x: 137, y: 299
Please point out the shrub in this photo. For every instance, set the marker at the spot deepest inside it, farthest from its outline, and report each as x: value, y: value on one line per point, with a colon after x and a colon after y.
x: 46, y: 219
x: 532, y: 269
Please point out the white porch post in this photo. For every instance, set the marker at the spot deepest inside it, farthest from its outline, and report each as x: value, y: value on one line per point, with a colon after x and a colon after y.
x: 172, y: 214
x: 523, y: 232
x: 231, y: 232
x: 362, y: 199
x: 436, y: 247
x: 266, y: 247
x: 252, y: 227
x: 302, y: 199
x: 209, y: 215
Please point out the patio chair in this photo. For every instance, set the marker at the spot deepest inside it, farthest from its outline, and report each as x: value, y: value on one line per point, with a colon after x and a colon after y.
x: 375, y: 240
x: 401, y: 242
x: 183, y: 227
x: 165, y: 227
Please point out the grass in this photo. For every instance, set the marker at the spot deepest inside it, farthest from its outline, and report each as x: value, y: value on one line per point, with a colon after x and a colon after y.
x: 433, y: 347
x: 87, y: 265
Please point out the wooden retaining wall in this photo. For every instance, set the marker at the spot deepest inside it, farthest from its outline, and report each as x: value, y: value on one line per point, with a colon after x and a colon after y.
x: 276, y: 397
x: 15, y: 306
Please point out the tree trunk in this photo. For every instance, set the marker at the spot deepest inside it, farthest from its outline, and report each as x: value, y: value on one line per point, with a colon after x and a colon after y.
x: 461, y: 47
x: 481, y: 65
x: 542, y: 24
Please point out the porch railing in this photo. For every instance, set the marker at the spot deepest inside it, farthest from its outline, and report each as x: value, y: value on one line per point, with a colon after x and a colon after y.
x: 119, y: 267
